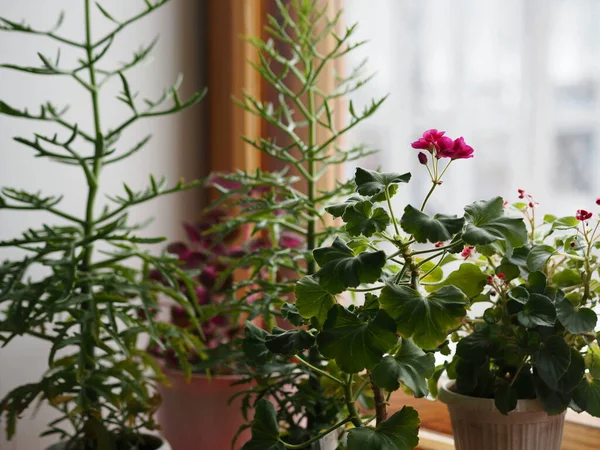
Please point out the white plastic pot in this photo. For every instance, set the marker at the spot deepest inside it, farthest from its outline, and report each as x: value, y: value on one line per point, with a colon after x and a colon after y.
x: 63, y: 445
x: 477, y: 424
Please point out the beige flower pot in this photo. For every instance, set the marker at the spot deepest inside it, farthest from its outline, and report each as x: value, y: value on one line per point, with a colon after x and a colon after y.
x: 197, y: 415
x: 164, y: 445
x: 477, y: 424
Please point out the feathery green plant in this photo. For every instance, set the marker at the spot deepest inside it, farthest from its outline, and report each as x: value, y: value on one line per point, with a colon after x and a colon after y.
x: 90, y: 303
x: 303, y: 48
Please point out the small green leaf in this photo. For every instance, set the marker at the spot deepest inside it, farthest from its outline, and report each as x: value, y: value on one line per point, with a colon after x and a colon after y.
x: 338, y: 209
x: 565, y: 223
x: 505, y: 398
x: 554, y: 402
x: 426, y: 319
x: 587, y: 396
x: 566, y: 278
x: 468, y: 278
x: 291, y: 314
x: 538, y: 311
x: 411, y: 366
x: 288, y: 342
x: 538, y: 257
x: 519, y: 294
x: 553, y: 360
x: 485, y: 223
x: 475, y: 347
x: 398, y: 432
x: 254, y: 344
x: 371, y: 182
x: 312, y: 300
x: 265, y: 429
x: 577, y: 322
x: 360, y: 218
x: 575, y: 373
x: 340, y: 269
x: 354, y: 344
x: 433, y: 229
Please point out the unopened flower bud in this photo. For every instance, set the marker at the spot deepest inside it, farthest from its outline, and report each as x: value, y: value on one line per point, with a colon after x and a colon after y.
x: 422, y: 158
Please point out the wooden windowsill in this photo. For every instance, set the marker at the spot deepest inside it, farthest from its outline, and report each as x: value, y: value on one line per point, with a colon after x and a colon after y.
x: 436, y: 430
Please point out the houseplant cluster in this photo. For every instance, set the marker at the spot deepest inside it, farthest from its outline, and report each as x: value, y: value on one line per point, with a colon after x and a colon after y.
x: 298, y: 304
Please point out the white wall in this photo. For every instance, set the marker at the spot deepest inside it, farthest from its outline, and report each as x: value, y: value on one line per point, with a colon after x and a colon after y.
x: 174, y: 151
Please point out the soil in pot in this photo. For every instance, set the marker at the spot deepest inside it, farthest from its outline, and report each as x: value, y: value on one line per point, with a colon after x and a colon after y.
x: 146, y: 442
x: 199, y: 414
x: 477, y: 424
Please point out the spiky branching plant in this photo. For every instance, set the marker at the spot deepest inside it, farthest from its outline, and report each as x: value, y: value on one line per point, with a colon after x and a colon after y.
x: 298, y: 62
x: 90, y: 304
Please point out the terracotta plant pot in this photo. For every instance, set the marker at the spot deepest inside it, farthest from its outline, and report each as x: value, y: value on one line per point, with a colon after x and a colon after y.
x: 162, y: 444
x: 477, y: 424
x: 197, y: 415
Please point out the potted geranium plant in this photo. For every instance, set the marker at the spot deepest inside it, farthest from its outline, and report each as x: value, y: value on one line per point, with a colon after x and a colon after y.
x: 533, y: 351
x: 405, y: 304
x: 93, y: 267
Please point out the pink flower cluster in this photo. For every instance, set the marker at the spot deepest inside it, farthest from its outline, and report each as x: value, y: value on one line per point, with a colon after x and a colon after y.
x: 583, y: 215
x: 442, y: 146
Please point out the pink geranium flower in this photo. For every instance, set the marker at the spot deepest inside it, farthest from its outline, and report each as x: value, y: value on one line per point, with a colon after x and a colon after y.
x: 432, y: 140
x: 582, y: 215
x: 458, y: 150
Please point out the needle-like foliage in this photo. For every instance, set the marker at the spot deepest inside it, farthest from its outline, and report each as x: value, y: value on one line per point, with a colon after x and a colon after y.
x: 93, y: 295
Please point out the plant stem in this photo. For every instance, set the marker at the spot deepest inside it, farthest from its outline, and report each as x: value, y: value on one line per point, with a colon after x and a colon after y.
x: 380, y: 403
x: 433, y: 186
x: 88, y: 325
x: 349, y: 398
x: 387, y: 197
x: 319, y: 371
x: 304, y: 445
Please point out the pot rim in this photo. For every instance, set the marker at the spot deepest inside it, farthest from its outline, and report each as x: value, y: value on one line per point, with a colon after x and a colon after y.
x: 200, y: 376
x: 447, y: 395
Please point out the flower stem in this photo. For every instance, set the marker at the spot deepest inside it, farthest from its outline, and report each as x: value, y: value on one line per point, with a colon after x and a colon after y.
x: 321, y: 435
x: 387, y: 197
x: 354, y: 416
x: 433, y: 186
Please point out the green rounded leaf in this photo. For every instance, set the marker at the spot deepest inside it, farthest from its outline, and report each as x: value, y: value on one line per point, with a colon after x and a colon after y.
x: 553, y: 360
x: 554, y: 402
x: 426, y: 319
x: 433, y: 229
x: 356, y: 345
x: 582, y: 320
x: 312, y: 300
x: 288, y: 342
x: 339, y: 209
x: 468, y: 278
x: 575, y: 373
x: 265, y: 429
x: 592, y: 360
x: 340, y: 269
x: 410, y: 366
x: 538, y: 257
x: 360, y: 218
x: 371, y: 182
x: 587, y: 396
x: 485, y: 223
x: 398, y: 432
x: 475, y: 347
x: 253, y: 345
x: 505, y: 398
x: 538, y: 311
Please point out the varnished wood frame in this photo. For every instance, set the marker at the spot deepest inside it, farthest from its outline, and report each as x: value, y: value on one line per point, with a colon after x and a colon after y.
x: 229, y: 74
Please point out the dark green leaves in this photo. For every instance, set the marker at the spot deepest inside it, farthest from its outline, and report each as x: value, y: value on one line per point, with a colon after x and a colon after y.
x: 312, y: 300
x: 433, y: 229
x: 486, y: 224
x: 539, y: 310
x: 538, y: 257
x: 265, y: 429
x: 399, y: 432
x: 426, y: 319
x: 361, y: 218
x: 371, y: 182
x: 411, y: 366
x: 587, y: 396
x: 354, y: 344
x: 289, y: 342
x: 340, y: 269
x: 578, y: 321
x: 553, y: 360
x: 505, y: 398
x: 254, y: 344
